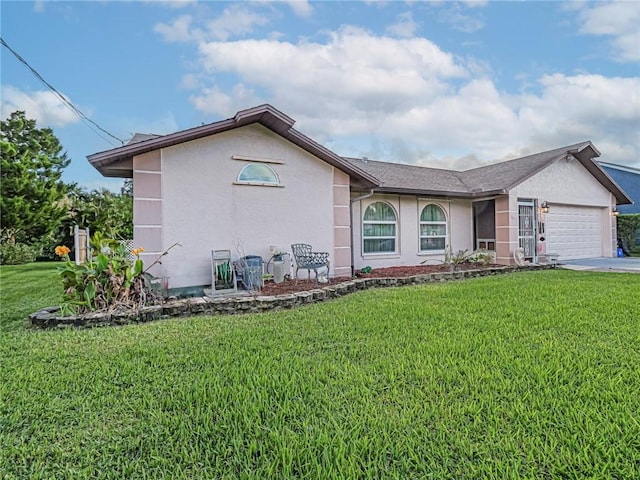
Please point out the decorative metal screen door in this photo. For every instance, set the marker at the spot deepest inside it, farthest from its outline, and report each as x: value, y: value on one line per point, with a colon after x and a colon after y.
x: 527, y: 228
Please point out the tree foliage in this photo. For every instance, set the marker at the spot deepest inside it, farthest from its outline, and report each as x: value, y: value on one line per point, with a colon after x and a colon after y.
x: 628, y: 227
x: 100, y: 210
x: 31, y: 189
x: 38, y: 209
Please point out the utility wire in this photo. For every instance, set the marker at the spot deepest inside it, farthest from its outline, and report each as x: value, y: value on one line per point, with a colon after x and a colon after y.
x: 64, y: 99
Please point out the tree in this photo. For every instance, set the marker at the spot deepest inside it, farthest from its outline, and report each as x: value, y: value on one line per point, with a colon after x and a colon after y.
x: 31, y: 189
x: 102, y: 211
x: 628, y: 230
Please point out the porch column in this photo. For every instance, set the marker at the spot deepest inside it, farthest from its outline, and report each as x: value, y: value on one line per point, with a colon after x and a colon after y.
x: 506, y: 229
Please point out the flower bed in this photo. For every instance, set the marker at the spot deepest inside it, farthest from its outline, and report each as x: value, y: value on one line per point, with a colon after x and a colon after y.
x: 289, y: 296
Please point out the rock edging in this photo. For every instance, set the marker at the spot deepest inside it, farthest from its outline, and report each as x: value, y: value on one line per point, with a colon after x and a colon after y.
x: 50, y: 317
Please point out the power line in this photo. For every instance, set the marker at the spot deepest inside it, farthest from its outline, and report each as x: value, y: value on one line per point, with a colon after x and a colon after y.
x: 62, y: 98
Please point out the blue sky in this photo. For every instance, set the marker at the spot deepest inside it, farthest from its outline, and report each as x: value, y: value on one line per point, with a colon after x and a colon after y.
x: 444, y: 84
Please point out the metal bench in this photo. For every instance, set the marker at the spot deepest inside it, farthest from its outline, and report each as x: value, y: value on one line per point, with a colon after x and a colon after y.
x: 308, y: 260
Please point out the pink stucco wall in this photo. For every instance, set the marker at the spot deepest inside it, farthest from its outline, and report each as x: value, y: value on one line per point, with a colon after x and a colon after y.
x: 189, y: 194
x: 147, y: 207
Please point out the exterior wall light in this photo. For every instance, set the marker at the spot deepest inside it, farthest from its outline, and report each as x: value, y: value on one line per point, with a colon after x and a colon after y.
x: 544, y: 207
x: 614, y: 211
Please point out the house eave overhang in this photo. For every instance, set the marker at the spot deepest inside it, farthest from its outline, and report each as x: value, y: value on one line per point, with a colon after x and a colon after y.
x: 266, y: 115
x: 586, y: 156
x: 438, y: 193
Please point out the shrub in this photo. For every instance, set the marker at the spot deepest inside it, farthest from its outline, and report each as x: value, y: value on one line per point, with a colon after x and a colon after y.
x: 111, y: 279
x: 17, y: 253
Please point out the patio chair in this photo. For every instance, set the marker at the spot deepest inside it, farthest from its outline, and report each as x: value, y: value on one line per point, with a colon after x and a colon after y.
x: 309, y: 260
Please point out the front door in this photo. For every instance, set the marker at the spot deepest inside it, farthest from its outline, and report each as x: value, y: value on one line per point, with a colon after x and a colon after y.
x: 527, y: 229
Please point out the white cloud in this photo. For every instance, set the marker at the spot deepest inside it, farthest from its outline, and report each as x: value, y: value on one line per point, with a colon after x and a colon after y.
x: 618, y: 20
x: 43, y: 106
x: 404, y: 26
x: 405, y: 99
x: 302, y: 8
x: 179, y: 30
x: 353, y: 65
x: 454, y: 16
x: 475, y: 3
x: 234, y: 21
x: 178, y: 3
x: 171, y: 3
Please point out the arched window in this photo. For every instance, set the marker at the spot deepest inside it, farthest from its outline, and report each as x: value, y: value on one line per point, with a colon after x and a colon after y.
x: 433, y: 229
x: 379, y: 228
x: 258, y: 173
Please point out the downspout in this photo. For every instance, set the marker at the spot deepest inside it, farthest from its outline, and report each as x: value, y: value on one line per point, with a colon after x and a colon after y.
x: 351, y: 202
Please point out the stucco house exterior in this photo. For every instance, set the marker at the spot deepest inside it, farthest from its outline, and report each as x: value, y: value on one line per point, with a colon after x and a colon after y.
x: 252, y: 181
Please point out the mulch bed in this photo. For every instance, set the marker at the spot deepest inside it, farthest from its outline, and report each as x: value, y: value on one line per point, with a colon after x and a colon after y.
x: 290, y: 286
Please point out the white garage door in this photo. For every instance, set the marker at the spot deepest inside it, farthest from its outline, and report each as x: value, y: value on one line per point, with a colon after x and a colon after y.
x: 574, y: 232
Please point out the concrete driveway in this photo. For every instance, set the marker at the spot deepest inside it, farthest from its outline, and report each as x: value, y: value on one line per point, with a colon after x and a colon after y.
x: 604, y: 264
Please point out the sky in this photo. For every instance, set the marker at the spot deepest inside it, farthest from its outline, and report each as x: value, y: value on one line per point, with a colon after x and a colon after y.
x: 447, y: 84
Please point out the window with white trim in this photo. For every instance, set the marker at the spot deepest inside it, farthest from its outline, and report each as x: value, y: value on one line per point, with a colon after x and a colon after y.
x: 379, y: 229
x: 433, y: 229
x: 258, y: 173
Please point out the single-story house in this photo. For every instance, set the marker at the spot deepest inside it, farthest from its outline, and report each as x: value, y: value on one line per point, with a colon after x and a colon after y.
x: 253, y: 181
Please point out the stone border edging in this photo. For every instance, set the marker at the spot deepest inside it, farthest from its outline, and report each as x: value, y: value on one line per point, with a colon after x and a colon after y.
x: 50, y: 318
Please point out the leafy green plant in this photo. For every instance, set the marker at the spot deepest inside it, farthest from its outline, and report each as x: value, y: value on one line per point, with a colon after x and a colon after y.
x: 481, y: 257
x: 17, y: 253
x: 109, y: 280
x: 454, y: 260
x: 366, y: 269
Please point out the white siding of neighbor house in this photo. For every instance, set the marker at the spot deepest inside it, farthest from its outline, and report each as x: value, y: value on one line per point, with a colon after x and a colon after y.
x: 568, y: 187
x: 203, y: 209
x: 408, y: 209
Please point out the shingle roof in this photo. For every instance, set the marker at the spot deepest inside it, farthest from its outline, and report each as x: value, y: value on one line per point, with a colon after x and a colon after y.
x: 506, y: 175
x: 491, y: 179
x: 398, y: 177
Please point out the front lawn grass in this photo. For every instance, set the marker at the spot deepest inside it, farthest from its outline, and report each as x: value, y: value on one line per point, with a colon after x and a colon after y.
x: 528, y: 375
x: 25, y: 289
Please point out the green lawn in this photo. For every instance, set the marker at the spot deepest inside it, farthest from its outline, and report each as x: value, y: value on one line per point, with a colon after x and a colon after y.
x: 528, y: 375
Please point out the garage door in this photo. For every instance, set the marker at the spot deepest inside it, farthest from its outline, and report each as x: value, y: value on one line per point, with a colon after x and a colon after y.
x: 574, y: 232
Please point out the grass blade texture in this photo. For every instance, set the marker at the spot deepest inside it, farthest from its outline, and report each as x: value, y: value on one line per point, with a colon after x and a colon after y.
x: 528, y: 375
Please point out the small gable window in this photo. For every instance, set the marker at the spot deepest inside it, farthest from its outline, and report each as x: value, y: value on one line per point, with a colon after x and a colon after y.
x: 379, y: 229
x: 433, y: 229
x: 258, y: 173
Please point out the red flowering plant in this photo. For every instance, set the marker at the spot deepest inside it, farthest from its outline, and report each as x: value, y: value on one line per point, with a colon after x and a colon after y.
x: 111, y: 278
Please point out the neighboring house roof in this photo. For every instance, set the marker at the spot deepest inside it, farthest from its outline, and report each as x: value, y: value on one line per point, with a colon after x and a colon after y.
x: 142, y: 137
x: 497, y: 178
x: 629, y: 179
x: 118, y: 162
